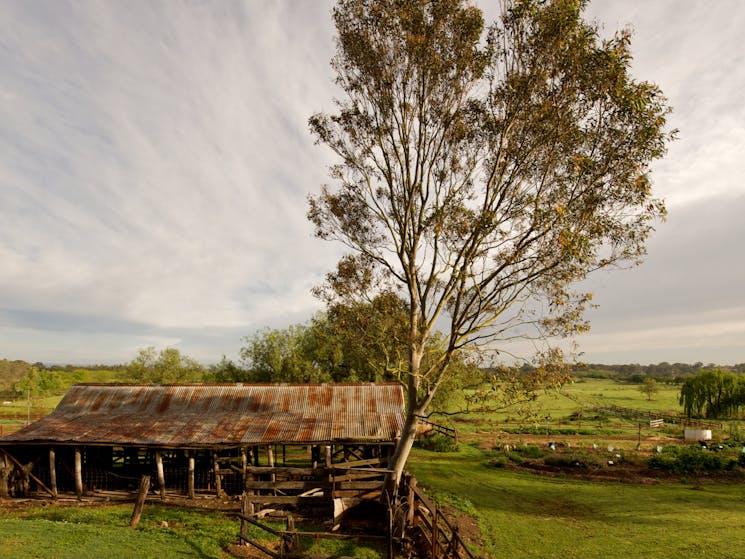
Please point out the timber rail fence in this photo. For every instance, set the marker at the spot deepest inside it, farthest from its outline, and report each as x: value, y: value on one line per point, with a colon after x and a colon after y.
x: 428, y: 529
x: 416, y: 526
x: 652, y: 415
x: 440, y: 429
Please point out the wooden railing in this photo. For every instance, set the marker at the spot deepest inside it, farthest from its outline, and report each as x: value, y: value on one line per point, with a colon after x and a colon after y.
x: 650, y: 414
x: 437, y: 428
x: 428, y: 529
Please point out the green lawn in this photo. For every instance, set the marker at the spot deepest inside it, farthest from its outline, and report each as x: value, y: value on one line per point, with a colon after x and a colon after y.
x: 70, y: 532
x: 529, y: 516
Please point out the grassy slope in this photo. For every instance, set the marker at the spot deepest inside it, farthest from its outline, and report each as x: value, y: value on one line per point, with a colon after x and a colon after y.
x: 91, y: 532
x: 56, y: 532
x: 527, y: 516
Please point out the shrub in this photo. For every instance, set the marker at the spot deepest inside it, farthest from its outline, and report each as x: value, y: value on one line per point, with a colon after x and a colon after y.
x: 438, y: 443
x: 691, y: 460
x: 529, y: 451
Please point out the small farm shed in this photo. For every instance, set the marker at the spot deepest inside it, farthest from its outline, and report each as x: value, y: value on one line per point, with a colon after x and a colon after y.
x: 204, y: 438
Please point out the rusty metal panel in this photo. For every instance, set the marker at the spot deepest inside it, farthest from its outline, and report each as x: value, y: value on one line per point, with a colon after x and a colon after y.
x: 197, y: 415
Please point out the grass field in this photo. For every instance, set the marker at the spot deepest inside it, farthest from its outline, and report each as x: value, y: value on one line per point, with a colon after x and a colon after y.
x: 94, y: 532
x: 528, y: 516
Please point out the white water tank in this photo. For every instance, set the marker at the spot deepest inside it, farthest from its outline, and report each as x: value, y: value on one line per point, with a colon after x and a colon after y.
x: 698, y: 434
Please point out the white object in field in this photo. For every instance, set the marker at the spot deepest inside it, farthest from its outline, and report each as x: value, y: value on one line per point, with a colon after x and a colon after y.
x: 698, y: 434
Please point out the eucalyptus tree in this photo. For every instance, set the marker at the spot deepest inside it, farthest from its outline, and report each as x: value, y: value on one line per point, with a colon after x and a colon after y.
x: 482, y: 173
x: 165, y: 366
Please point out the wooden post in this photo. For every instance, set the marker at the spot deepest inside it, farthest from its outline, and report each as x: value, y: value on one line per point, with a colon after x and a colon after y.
x: 270, y: 459
x: 412, y: 502
x: 52, y: 473
x: 435, y: 534
x: 78, y: 473
x: 5, y: 469
x: 246, y: 510
x: 190, y: 482
x: 293, y: 541
x: 140, y: 502
x: 161, y: 475
x: 328, y: 456
x: 218, y: 477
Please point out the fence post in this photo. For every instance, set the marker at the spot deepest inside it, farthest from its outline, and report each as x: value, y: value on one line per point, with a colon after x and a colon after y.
x: 411, y: 513
x: 244, y: 524
x: 435, y: 533
x: 140, y: 502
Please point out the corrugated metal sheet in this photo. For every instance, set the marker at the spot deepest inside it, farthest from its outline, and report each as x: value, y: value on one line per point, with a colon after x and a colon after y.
x: 220, y: 414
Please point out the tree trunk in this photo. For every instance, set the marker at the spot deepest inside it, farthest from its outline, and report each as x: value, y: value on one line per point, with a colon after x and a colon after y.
x: 398, y: 461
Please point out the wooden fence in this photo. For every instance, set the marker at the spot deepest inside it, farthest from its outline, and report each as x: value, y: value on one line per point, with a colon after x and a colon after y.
x: 440, y: 429
x: 651, y: 415
x: 415, y: 524
x: 427, y: 529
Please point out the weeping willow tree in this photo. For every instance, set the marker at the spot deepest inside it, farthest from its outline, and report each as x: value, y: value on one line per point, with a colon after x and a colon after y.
x: 713, y: 393
x: 483, y: 172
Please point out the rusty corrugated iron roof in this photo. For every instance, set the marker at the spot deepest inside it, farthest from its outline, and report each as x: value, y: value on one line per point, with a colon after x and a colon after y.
x: 199, y: 415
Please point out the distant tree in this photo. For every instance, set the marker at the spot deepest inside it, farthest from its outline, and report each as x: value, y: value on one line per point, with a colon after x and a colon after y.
x: 649, y: 387
x: 164, y: 367
x: 11, y: 372
x: 481, y: 177
x: 226, y: 371
x: 41, y: 382
x: 713, y: 393
x: 275, y: 355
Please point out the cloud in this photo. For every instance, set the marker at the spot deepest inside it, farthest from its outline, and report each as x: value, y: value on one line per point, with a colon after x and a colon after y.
x: 155, y: 160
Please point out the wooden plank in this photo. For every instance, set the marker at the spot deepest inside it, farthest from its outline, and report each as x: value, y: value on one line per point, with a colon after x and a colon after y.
x: 358, y: 494
x: 257, y: 545
x: 357, y: 463
x: 264, y: 470
x: 320, y: 485
x: 359, y: 485
x: 353, y: 476
x: 425, y: 501
x: 287, y: 500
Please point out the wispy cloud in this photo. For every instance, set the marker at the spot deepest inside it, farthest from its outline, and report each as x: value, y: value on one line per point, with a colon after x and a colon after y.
x: 155, y: 159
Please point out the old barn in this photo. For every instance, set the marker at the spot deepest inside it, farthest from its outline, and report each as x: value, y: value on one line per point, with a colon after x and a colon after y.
x: 281, y: 443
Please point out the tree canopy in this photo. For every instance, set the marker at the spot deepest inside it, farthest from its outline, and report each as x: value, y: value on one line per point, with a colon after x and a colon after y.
x: 713, y: 393
x: 165, y: 366
x: 482, y: 173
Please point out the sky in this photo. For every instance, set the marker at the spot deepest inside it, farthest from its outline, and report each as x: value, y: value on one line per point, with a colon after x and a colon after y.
x: 155, y: 163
